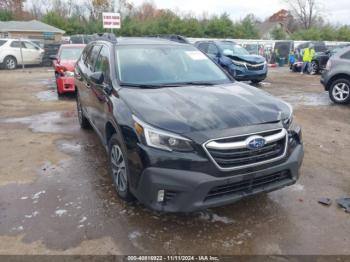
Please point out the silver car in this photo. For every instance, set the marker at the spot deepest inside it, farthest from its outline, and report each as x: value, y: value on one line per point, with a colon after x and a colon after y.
x: 336, y: 77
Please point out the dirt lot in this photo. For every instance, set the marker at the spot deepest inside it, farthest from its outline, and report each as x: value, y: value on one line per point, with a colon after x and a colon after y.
x: 56, y: 196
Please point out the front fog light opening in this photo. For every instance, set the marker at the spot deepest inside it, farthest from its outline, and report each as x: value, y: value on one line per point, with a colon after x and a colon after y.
x: 161, y: 195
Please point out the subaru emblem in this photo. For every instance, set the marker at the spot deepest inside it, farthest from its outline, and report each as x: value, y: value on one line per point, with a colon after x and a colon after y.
x: 255, y: 142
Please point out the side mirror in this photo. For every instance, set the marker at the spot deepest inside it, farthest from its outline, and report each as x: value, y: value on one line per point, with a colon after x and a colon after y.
x: 97, y: 78
x: 53, y: 57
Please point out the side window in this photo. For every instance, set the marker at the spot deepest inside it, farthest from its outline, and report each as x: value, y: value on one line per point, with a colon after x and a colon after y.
x: 203, y: 47
x: 90, y: 61
x: 102, y: 64
x: 213, y: 50
x: 29, y: 45
x: 346, y: 56
x: 15, y: 44
x: 2, y: 42
x: 85, y: 54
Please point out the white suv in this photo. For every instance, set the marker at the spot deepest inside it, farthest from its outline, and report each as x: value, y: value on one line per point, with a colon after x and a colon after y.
x: 10, y: 53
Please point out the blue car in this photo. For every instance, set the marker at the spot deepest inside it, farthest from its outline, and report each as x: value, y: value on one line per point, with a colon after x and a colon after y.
x: 235, y: 60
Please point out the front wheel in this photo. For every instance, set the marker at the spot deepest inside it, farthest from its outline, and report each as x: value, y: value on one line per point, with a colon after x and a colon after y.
x: 10, y: 63
x: 256, y: 81
x: 119, y: 168
x: 339, y: 92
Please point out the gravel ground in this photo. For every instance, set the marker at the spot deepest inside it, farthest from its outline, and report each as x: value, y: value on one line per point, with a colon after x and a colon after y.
x: 56, y: 196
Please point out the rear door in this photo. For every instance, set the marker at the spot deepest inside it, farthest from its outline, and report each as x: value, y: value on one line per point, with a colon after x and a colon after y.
x: 100, y: 97
x: 15, y: 50
x: 32, y: 53
x: 89, y: 69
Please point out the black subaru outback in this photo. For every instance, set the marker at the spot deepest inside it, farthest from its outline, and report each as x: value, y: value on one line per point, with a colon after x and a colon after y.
x: 181, y: 134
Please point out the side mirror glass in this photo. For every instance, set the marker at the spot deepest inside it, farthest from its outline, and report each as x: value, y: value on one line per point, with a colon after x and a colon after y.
x: 97, y: 78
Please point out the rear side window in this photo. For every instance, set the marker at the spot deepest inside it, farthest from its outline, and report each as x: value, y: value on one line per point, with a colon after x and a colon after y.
x: 213, y: 50
x: 85, y: 54
x: 16, y: 44
x: 90, y: 61
x: 346, y: 55
x: 102, y: 64
x: 2, y: 42
x: 203, y: 47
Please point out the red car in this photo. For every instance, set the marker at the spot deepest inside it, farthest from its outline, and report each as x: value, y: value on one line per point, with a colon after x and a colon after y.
x: 64, y: 63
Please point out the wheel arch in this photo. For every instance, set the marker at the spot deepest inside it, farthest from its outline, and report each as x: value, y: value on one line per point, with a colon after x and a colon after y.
x: 336, y: 77
x: 110, y: 130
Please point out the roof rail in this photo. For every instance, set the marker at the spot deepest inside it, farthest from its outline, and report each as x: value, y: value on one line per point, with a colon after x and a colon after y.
x: 172, y: 37
x: 105, y: 36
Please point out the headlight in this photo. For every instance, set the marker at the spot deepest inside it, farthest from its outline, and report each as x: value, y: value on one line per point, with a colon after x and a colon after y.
x: 161, y: 139
x: 238, y: 63
x: 328, y: 65
x: 287, y: 123
x: 69, y: 74
x: 288, y: 120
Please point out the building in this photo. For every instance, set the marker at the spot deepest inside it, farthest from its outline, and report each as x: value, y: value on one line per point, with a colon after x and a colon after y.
x: 30, y: 29
x: 280, y: 20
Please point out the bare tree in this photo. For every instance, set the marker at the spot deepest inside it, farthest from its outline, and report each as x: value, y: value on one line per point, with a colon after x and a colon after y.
x: 305, y: 12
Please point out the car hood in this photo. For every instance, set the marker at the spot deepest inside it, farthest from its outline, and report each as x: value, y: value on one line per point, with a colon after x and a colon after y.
x: 253, y: 59
x: 203, y: 108
x: 69, y: 64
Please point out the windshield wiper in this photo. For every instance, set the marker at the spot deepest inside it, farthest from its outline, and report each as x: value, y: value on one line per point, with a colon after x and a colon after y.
x: 196, y: 83
x: 193, y: 83
x: 141, y: 85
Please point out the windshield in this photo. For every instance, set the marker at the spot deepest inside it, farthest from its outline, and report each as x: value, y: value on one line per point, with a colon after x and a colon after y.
x: 71, y: 53
x: 233, y: 48
x: 165, y: 65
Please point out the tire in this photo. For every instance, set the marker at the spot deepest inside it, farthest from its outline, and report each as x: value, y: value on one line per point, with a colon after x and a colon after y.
x: 119, y: 168
x: 83, y: 121
x: 256, y: 81
x: 339, y: 92
x: 315, y: 67
x: 10, y: 63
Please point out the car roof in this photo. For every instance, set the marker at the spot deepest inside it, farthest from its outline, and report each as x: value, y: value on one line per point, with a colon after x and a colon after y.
x: 73, y: 45
x: 142, y: 41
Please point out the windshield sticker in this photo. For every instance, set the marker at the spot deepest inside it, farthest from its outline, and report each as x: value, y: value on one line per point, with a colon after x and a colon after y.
x: 196, y: 55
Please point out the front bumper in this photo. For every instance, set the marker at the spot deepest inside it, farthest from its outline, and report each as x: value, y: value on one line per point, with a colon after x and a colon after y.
x: 65, y: 84
x: 244, y: 74
x: 188, y: 191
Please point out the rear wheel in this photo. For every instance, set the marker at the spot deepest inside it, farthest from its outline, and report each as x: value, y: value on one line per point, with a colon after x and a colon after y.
x: 10, y: 63
x: 83, y: 121
x: 119, y: 168
x: 314, y: 67
x: 339, y: 92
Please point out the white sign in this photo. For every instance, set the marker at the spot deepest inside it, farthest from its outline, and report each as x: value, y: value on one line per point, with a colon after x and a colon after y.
x: 111, y: 20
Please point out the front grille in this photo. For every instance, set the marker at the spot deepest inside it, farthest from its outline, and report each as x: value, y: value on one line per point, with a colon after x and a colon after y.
x: 249, y: 185
x: 232, y: 153
x: 255, y: 68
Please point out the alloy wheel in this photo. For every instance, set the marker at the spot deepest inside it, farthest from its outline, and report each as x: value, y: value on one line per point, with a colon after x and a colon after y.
x: 119, y: 169
x: 341, y: 92
x: 10, y: 63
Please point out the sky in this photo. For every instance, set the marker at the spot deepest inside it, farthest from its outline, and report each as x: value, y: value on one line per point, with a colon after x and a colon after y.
x: 335, y: 11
